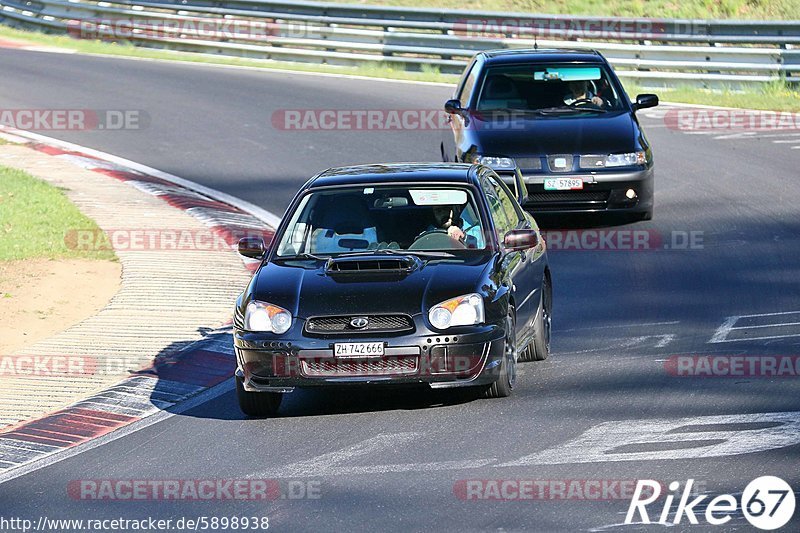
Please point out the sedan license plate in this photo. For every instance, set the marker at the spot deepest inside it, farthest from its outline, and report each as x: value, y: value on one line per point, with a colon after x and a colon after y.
x: 563, y: 184
x: 358, y: 349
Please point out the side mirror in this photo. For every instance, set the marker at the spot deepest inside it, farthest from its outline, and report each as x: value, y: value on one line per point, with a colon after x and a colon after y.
x: 252, y: 247
x: 453, y: 107
x: 645, y: 100
x: 520, y: 239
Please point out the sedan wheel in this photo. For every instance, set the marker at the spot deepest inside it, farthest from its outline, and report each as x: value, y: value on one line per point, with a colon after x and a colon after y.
x: 539, y: 349
x: 508, y: 367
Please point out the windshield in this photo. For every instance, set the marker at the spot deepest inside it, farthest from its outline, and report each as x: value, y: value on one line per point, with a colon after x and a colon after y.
x: 547, y: 89
x: 388, y: 218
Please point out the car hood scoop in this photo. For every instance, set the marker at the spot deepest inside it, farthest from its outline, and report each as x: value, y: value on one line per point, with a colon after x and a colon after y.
x: 360, y: 286
x: 372, y: 264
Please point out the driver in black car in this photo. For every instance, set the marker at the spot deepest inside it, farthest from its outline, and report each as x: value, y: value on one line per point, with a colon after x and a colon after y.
x: 446, y: 218
x: 581, y: 91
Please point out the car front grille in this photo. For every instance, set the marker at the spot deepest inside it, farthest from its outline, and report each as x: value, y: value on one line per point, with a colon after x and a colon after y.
x: 340, y: 325
x: 360, y: 367
x: 567, y: 200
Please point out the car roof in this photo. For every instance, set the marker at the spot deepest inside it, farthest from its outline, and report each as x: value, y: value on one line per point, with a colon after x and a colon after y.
x: 396, y: 172
x: 541, y: 55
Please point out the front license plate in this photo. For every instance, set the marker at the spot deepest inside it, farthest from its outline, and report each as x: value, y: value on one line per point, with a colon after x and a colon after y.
x: 563, y: 184
x: 358, y: 349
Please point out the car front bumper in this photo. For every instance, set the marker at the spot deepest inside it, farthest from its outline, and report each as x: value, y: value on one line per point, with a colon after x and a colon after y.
x: 602, y: 192
x: 463, y: 357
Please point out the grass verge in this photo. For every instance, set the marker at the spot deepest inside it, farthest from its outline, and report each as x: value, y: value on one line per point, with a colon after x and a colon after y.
x: 36, y: 217
x: 697, y: 9
x: 774, y: 96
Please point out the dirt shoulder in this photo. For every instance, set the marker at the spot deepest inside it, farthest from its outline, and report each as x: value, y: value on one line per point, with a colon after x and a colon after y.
x: 42, y: 297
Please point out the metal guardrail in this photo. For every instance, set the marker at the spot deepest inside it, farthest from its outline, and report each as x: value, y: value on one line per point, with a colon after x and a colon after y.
x: 654, y: 51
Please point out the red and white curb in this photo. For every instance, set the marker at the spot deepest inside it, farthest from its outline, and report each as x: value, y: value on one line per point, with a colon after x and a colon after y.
x: 169, y: 382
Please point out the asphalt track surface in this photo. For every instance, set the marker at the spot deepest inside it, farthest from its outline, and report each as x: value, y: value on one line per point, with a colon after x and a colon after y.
x: 396, y: 461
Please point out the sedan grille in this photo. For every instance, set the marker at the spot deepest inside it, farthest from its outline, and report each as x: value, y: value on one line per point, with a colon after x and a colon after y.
x: 342, y: 325
x: 351, y: 368
x: 567, y: 201
x: 569, y: 196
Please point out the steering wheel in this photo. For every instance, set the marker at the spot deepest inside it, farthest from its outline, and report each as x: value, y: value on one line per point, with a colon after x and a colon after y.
x: 435, y: 239
x: 581, y: 101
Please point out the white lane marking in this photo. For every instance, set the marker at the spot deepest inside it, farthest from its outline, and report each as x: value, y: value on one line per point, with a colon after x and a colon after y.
x: 333, y: 471
x: 722, y: 332
x: 677, y: 438
x: 331, y: 464
x: 786, y: 141
x: 755, y: 135
x: 729, y: 326
x: 643, y: 324
x: 770, y: 325
x: 622, y: 343
x: 739, y: 135
x: 326, y: 462
x: 61, y: 454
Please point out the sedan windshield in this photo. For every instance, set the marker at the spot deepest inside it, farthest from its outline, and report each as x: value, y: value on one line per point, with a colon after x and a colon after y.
x: 548, y: 89
x: 387, y: 218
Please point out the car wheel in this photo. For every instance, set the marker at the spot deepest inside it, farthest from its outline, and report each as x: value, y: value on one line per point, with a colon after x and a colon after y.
x: 259, y: 404
x: 508, y: 366
x: 539, y: 349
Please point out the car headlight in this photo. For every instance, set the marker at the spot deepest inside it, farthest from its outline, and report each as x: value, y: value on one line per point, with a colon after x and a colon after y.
x: 261, y: 316
x: 502, y: 163
x: 461, y: 311
x: 626, y: 160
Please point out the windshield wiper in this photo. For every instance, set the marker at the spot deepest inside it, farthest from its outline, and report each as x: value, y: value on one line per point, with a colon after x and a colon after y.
x: 303, y: 255
x: 395, y: 251
x: 567, y: 109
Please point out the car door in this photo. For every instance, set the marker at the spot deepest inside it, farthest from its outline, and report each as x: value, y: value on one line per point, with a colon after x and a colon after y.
x: 454, y: 141
x: 525, y: 267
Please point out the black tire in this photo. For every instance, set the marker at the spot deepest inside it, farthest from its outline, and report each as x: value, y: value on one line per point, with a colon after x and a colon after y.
x: 504, y: 385
x: 258, y: 404
x: 539, y: 349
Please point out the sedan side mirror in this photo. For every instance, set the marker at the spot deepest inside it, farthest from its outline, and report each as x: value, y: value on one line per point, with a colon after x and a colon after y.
x: 645, y: 100
x: 252, y: 247
x: 453, y: 107
x: 520, y: 239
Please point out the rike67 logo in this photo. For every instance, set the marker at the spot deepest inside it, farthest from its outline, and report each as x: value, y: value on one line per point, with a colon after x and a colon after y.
x: 767, y: 502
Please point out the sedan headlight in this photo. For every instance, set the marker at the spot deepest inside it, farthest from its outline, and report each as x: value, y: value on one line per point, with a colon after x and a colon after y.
x: 461, y: 311
x: 261, y: 316
x: 501, y: 163
x: 613, y: 160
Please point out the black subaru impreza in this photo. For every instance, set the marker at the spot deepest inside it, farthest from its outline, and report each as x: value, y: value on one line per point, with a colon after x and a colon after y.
x: 401, y: 274
x: 562, y: 119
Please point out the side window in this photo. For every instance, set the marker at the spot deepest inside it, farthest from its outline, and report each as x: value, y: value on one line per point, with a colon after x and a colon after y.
x: 507, y: 205
x: 499, y: 216
x: 468, y: 87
